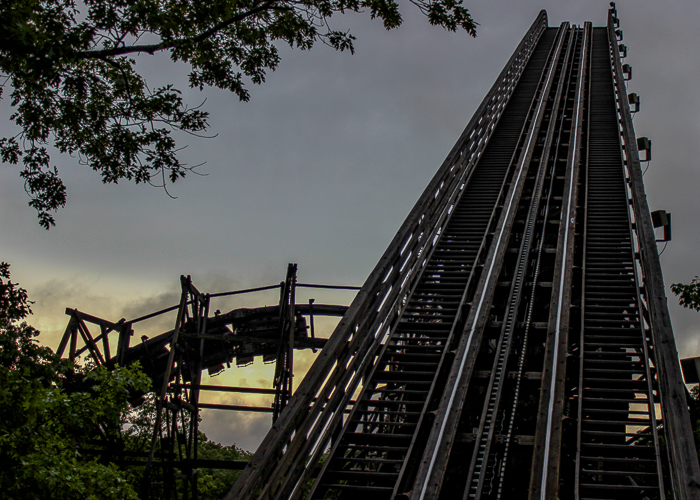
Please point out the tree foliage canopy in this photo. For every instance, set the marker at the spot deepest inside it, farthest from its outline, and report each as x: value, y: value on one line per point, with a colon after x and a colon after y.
x: 71, y: 74
x: 53, y: 415
x: 688, y: 295
x: 45, y: 430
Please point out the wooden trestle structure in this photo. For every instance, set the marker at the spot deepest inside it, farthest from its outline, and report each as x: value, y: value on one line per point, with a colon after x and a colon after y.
x: 175, y: 360
x: 513, y: 341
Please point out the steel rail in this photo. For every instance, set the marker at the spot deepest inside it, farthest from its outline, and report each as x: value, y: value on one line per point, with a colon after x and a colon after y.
x: 584, y: 166
x: 612, y: 326
x: 582, y: 67
x: 556, y: 134
x: 557, y: 127
x: 448, y: 408
x: 346, y: 460
x: 481, y: 454
x: 530, y: 305
x: 346, y: 455
x: 549, y: 488
x: 300, y: 431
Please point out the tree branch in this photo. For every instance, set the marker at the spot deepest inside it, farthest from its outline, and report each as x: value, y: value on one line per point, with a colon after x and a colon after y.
x: 117, y: 51
x: 153, y: 48
x: 225, y: 24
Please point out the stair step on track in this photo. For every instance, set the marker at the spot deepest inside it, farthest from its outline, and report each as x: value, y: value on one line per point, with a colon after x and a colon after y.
x: 626, y: 422
x: 613, y: 337
x: 441, y: 284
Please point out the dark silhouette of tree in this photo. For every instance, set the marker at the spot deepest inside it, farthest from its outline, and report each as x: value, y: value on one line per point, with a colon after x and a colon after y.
x: 48, y: 427
x: 45, y: 429
x: 71, y: 74
x: 688, y: 295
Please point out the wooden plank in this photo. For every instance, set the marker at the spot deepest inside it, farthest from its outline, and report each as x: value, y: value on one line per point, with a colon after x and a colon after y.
x: 214, y: 406
x: 223, y: 388
x: 105, y: 341
x: 89, y: 341
x: 166, y: 377
x: 106, y: 327
x: 67, y: 335
x: 94, y: 319
x: 125, y: 333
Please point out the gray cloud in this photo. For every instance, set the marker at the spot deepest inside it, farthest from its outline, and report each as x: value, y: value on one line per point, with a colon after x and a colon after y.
x: 245, y: 430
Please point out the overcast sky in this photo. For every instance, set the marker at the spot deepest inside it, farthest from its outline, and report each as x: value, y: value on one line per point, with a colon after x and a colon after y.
x: 324, y: 163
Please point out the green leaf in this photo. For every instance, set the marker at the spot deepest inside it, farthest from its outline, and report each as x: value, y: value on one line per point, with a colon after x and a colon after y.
x: 74, y: 87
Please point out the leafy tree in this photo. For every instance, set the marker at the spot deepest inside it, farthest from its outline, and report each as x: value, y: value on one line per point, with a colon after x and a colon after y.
x: 73, y: 83
x: 213, y: 484
x: 688, y: 295
x: 46, y: 428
